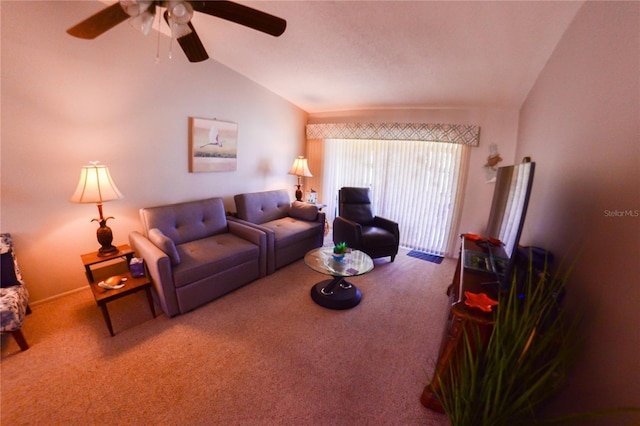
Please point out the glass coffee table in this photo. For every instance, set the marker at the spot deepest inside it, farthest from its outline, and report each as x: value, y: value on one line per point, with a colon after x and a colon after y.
x: 337, y: 293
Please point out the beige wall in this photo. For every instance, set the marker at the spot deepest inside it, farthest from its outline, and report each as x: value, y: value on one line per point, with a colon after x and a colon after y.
x: 581, y: 123
x: 67, y: 101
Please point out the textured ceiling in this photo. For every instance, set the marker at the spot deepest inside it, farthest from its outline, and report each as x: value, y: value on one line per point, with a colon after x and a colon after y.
x: 342, y: 55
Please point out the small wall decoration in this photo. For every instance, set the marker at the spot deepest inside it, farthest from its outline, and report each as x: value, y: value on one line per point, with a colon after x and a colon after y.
x: 213, y: 145
x: 491, y: 168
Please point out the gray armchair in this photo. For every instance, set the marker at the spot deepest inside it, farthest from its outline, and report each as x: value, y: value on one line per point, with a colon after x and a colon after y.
x: 360, y: 228
x: 292, y: 228
x: 194, y: 255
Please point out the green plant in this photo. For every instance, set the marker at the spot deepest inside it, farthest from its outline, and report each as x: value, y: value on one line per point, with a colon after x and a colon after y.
x: 504, y: 380
x: 340, y: 248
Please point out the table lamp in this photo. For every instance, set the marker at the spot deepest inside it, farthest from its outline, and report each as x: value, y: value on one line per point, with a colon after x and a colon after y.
x: 300, y: 168
x: 96, y: 186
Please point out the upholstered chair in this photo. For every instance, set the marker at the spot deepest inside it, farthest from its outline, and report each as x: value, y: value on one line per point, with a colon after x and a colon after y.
x: 358, y: 226
x: 14, y: 297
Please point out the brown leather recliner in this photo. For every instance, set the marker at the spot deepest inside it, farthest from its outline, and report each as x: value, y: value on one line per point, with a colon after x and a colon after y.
x: 357, y: 225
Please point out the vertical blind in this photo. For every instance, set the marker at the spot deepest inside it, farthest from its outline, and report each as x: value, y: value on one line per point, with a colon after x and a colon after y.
x: 415, y: 183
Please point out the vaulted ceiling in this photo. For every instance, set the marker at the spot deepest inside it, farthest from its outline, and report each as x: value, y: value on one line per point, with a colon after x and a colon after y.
x: 343, y: 55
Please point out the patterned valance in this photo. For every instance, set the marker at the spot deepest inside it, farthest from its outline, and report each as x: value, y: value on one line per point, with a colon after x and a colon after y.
x: 452, y: 133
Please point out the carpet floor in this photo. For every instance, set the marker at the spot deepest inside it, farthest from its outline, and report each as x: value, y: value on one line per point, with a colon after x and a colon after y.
x: 264, y: 354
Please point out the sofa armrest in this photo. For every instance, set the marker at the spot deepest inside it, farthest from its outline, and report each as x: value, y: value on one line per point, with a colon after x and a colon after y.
x: 387, y: 224
x: 254, y: 235
x: 348, y: 231
x: 158, y: 267
x: 270, y: 246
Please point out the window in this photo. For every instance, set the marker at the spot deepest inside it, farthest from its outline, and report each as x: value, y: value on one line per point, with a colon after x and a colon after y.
x: 416, y: 183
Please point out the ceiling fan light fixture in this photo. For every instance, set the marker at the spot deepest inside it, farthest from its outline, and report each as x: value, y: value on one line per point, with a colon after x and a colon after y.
x: 135, y: 7
x: 143, y: 22
x: 179, y: 30
x: 177, y: 14
x: 180, y: 12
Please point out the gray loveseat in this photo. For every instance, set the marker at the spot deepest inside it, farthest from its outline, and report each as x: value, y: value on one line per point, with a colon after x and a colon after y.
x: 194, y: 255
x: 292, y: 228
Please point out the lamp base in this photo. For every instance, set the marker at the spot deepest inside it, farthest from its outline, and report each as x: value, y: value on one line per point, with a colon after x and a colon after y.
x: 105, y: 238
x: 107, y: 251
x: 298, y: 192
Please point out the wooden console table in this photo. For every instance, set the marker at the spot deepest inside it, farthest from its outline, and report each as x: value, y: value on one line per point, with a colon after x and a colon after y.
x: 460, y: 317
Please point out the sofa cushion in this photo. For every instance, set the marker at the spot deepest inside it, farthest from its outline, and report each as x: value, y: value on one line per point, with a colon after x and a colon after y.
x: 359, y: 213
x: 209, y: 256
x: 13, y: 306
x: 187, y: 221
x: 355, y: 205
x: 303, y: 211
x: 262, y: 207
x: 9, y: 278
x: 165, y: 244
x: 372, y: 236
x: 10, y: 271
x: 289, y: 230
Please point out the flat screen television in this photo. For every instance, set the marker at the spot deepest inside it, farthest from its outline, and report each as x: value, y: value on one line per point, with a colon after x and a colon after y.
x: 506, y: 217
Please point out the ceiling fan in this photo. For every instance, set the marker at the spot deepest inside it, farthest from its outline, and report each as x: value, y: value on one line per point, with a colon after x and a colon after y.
x: 178, y: 15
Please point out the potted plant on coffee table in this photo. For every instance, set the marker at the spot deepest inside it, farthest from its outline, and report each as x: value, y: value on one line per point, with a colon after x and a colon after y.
x: 339, y: 250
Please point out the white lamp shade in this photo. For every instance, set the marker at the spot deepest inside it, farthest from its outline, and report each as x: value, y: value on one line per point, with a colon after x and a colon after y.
x: 300, y: 167
x: 95, y: 185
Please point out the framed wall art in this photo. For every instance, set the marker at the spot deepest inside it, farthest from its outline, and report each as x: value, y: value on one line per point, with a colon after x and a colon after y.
x: 213, y: 145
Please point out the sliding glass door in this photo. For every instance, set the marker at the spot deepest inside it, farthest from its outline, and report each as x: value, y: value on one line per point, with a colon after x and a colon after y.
x: 416, y: 183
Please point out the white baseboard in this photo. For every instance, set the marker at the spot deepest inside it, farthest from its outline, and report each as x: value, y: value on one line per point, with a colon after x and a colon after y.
x: 57, y: 296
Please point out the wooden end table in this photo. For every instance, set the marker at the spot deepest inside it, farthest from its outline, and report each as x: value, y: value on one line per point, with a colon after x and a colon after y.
x: 132, y: 285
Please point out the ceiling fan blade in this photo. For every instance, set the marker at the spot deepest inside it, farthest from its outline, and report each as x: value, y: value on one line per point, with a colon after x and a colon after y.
x: 190, y: 43
x: 243, y: 15
x: 99, y: 23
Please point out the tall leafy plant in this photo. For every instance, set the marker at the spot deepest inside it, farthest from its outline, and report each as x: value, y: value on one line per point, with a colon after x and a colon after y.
x: 504, y: 380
